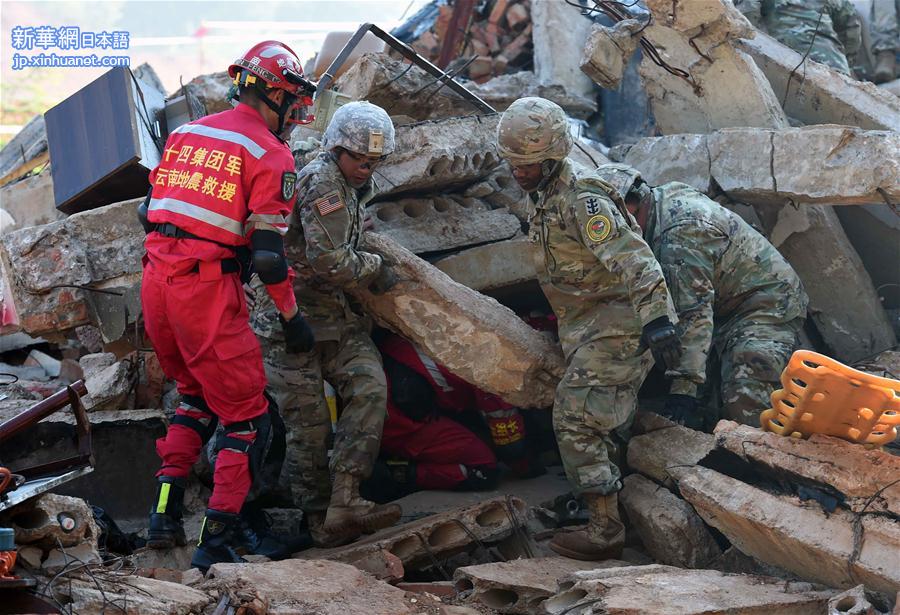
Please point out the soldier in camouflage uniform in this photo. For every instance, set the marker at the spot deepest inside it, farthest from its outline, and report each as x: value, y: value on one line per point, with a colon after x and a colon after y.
x: 795, y: 23
x: 733, y: 291
x: 885, y: 39
x: 610, y: 298
x: 323, y: 245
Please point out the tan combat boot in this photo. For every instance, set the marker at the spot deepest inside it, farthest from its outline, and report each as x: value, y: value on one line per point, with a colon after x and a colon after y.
x: 321, y: 539
x: 604, y: 536
x: 348, y: 508
x: 885, y: 67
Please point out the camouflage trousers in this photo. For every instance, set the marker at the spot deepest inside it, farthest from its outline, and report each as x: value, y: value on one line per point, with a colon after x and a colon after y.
x: 752, y: 359
x: 595, y: 404
x: 884, y: 25
x: 352, y: 365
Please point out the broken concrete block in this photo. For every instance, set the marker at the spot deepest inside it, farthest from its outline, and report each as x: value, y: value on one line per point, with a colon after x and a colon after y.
x: 21, y: 152
x: 29, y: 556
x: 723, y: 87
x: 49, y: 364
x: 493, y: 265
x: 501, y: 91
x: 459, y: 327
x: 440, y: 155
x: 655, y: 453
x: 683, y: 158
x: 861, y: 475
x: 316, y: 586
x: 29, y: 202
x: 52, y: 520
x: 58, y: 559
x: 608, y: 50
x: 383, y: 565
x: 108, y: 388
x: 210, y: 90
x: 93, y: 363
x: 132, y: 595
x: 100, y: 248
x: 442, y: 222
x: 671, y: 532
x: 852, y: 602
x: 435, y: 535
x: 846, y: 309
x: 840, y: 549
x: 559, y: 35
x: 177, y: 558
x: 819, y: 95
x: 665, y: 590
x: 520, y: 585
x: 833, y: 165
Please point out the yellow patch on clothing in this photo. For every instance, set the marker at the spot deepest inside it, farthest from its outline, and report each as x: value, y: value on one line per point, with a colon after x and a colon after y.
x: 329, y: 203
x: 598, y: 228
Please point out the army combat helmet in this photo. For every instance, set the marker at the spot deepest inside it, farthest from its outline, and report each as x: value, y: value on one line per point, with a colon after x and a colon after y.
x: 623, y: 179
x: 362, y: 128
x: 533, y: 130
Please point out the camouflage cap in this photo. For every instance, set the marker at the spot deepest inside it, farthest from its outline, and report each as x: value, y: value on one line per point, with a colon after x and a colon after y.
x: 620, y: 177
x: 362, y: 128
x: 532, y: 130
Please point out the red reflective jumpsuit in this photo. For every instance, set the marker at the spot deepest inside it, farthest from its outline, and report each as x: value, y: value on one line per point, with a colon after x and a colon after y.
x: 439, y: 447
x: 220, y: 178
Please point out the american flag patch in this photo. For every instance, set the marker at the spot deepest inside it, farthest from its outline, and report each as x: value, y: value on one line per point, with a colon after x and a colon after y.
x: 329, y: 203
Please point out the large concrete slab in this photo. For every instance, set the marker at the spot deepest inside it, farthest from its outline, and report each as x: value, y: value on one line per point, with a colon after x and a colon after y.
x: 839, y: 549
x: 665, y: 590
x: 724, y: 87
x: 818, y: 94
x: 459, y: 328
x: 864, y: 477
x: 559, y: 35
x: 656, y: 453
x: 29, y: 202
x: 494, y: 265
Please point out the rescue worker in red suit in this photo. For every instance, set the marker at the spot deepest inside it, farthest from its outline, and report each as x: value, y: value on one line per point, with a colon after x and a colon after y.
x: 445, y: 454
x: 224, y: 187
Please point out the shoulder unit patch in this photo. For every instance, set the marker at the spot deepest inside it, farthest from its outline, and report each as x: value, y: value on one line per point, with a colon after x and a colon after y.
x: 592, y: 206
x: 329, y: 203
x: 598, y: 228
x: 288, y: 185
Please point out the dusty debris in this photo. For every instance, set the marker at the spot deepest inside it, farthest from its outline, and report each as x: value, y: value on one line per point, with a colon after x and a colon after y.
x: 51, y: 520
x: 521, y: 585
x: 670, y: 530
x: 501, y: 91
x: 29, y: 202
x: 654, y: 454
x: 852, y: 602
x: 131, y: 594
x: 109, y: 387
x: 458, y: 327
x: 560, y: 32
x: 383, y: 565
x: 494, y: 265
x: 664, y: 590
x: 839, y: 549
x: 608, y: 50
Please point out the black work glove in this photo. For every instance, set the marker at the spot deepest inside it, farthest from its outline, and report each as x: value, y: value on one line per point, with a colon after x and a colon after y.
x: 662, y: 338
x: 298, y: 337
x: 683, y: 410
x: 385, y: 280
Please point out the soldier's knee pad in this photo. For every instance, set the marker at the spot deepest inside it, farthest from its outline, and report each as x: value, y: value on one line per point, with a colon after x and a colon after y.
x: 194, y: 413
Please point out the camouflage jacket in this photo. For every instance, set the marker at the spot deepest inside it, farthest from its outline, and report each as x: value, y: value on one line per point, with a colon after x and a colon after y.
x: 322, y: 244
x: 599, y: 276
x: 793, y: 23
x: 721, y: 274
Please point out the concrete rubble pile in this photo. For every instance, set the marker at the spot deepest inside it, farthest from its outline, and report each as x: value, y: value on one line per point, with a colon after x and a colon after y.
x: 737, y: 521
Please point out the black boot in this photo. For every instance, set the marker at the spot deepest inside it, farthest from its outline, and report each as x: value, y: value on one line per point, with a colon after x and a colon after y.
x: 166, y: 525
x: 217, y: 540
x: 254, y: 536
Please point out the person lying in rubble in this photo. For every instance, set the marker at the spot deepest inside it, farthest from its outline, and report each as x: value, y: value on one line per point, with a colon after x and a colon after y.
x: 225, y: 182
x: 829, y: 30
x: 737, y: 298
x: 323, y: 243
x: 426, y: 444
x: 613, y: 309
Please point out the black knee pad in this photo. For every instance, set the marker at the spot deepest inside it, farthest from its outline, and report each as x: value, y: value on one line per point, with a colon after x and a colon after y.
x: 205, y: 431
x: 267, y: 449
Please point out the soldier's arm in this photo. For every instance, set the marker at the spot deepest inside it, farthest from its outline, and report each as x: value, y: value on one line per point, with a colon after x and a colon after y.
x: 326, y: 223
x: 688, y: 254
x: 606, y: 233
x: 267, y: 221
x: 848, y: 27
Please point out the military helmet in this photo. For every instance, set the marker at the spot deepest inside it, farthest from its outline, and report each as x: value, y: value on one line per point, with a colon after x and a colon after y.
x: 362, y: 128
x: 621, y: 177
x: 532, y: 130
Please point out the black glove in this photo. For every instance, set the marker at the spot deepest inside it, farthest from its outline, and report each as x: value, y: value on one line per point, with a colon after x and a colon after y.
x: 386, y: 279
x: 298, y: 337
x: 662, y: 338
x: 683, y: 410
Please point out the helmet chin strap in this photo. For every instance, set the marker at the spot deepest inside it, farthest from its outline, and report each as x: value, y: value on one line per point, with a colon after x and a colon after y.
x: 549, y: 170
x: 281, y: 110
